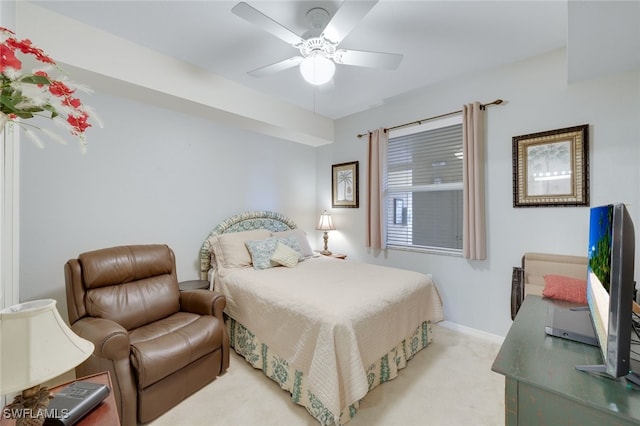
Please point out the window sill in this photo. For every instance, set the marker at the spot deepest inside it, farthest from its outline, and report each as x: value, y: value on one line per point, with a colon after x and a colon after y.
x: 428, y: 250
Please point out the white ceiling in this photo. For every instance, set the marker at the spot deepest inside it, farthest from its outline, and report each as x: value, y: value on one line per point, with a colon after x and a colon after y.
x: 439, y: 40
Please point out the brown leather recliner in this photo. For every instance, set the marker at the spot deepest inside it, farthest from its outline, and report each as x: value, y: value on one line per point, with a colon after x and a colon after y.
x: 159, y: 344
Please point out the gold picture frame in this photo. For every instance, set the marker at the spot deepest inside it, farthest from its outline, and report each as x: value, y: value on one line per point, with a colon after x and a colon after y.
x: 551, y: 169
x: 344, y: 185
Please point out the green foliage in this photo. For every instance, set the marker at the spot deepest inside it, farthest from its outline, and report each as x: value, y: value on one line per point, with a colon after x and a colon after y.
x: 600, y: 261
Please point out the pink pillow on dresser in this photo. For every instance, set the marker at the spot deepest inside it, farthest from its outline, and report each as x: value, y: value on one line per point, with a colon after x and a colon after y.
x: 565, y: 288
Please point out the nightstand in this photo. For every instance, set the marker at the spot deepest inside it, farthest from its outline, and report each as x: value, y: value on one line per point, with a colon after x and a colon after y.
x: 193, y: 285
x: 104, y: 414
x: 338, y: 256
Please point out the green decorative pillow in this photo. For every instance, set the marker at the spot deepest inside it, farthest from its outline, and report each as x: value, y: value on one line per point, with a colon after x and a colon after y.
x: 285, y: 255
x: 261, y: 251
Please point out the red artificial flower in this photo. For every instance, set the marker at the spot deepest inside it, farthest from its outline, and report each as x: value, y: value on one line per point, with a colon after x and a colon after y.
x: 79, y: 123
x: 57, y: 96
x: 27, y: 47
x: 72, y: 102
x: 8, y: 59
x: 41, y: 74
x: 58, y: 88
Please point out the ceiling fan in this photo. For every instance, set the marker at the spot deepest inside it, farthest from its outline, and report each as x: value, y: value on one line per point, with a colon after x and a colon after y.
x: 320, y: 53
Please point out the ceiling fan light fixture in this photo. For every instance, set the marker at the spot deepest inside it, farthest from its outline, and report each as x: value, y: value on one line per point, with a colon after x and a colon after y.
x: 317, y: 69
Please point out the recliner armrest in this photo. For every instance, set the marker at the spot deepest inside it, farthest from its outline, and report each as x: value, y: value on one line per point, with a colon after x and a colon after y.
x: 203, y: 302
x: 111, y: 353
x: 109, y: 338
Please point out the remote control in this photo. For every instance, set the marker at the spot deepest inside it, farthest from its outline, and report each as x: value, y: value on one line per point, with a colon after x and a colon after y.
x: 73, y: 402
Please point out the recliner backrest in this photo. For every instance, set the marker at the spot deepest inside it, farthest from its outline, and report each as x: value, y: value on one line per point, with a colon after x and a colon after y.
x: 131, y: 285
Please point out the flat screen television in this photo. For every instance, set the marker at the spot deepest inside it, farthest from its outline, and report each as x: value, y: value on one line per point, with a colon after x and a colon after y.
x: 610, y: 286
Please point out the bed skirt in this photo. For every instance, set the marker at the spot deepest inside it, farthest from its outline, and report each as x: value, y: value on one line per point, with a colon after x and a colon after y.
x: 273, y: 366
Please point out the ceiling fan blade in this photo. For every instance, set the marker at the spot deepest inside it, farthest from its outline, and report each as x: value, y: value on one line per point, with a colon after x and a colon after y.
x: 254, y: 16
x: 277, y: 67
x: 346, y: 17
x: 360, y: 58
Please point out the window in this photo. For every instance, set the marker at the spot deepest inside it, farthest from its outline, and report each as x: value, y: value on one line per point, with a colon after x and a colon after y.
x: 423, y: 198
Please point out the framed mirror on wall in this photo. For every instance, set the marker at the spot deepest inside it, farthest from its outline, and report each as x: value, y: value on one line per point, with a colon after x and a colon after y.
x: 551, y: 169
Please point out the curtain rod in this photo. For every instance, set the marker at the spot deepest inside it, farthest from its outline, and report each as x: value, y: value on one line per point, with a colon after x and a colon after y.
x: 496, y: 102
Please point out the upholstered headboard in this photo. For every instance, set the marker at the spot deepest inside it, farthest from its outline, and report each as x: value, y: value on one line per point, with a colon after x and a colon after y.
x: 274, y: 222
x: 537, y: 265
x: 529, y: 277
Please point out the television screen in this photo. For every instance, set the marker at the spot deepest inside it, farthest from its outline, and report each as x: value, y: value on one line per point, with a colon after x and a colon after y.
x: 610, y: 285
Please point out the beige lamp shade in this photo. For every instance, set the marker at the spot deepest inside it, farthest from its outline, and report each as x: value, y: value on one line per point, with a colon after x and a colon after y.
x: 325, y: 223
x: 36, y: 345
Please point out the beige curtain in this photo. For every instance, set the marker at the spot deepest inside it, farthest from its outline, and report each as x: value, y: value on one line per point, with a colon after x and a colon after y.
x: 474, y: 230
x: 376, y: 164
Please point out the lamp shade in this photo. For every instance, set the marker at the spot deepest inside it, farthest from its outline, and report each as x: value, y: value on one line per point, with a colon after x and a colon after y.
x: 36, y: 345
x: 325, y: 224
x: 317, y: 69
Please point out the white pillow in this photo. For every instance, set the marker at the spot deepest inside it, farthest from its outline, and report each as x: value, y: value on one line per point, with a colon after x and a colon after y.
x: 285, y: 255
x: 230, y: 250
x: 302, y: 240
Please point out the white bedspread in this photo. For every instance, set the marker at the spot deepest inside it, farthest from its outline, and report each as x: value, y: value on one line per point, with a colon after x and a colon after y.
x: 330, y: 318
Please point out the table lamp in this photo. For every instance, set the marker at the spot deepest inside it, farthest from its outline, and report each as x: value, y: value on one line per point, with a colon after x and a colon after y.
x: 325, y: 225
x: 35, y: 346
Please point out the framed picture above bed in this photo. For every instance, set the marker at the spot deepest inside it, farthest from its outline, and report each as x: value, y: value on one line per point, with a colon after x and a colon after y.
x: 344, y: 185
x: 551, y: 169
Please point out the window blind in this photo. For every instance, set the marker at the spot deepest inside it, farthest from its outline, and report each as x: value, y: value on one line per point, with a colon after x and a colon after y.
x: 423, y: 195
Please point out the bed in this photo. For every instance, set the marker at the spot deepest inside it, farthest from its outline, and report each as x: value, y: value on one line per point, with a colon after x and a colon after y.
x: 326, y: 330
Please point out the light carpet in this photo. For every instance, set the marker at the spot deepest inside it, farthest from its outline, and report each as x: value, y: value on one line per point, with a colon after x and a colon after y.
x: 449, y: 383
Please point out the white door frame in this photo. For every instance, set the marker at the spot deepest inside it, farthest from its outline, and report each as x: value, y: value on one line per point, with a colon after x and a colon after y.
x: 9, y: 216
x: 9, y: 197
x: 9, y: 193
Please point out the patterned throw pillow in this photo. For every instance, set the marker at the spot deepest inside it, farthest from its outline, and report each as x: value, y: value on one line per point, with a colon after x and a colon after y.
x: 303, y: 241
x: 565, y: 288
x: 230, y: 250
x: 261, y: 251
x: 292, y: 242
x: 285, y: 255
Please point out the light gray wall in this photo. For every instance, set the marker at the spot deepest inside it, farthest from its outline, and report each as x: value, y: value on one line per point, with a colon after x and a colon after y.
x: 476, y: 294
x: 155, y: 176
x: 149, y: 176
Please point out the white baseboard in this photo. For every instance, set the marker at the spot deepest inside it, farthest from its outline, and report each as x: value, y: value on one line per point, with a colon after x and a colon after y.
x: 472, y: 331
